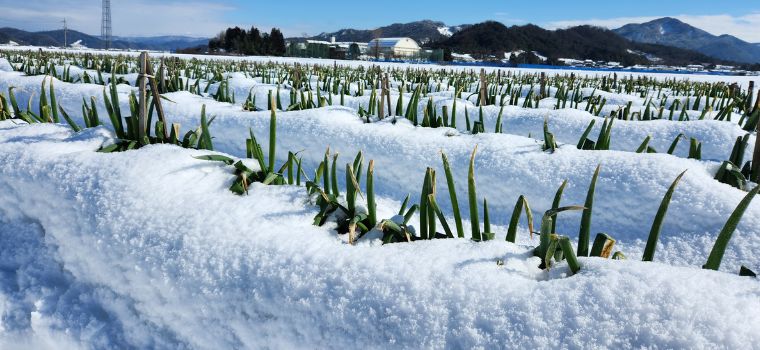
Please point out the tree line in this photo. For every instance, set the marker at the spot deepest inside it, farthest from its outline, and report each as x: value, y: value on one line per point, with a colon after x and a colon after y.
x: 252, y: 42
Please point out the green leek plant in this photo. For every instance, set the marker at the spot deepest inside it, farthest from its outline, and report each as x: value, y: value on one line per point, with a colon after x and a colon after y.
x: 585, y: 230
x: 654, y: 233
x: 473, y: 199
x: 549, y: 241
x: 603, y: 245
x: 522, y: 202
x: 555, y: 204
x: 453, y: 196
x: 549, y: 143
x: 721, y: 243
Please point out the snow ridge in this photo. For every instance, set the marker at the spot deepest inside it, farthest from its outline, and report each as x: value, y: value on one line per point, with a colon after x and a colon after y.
x: 135, y: 230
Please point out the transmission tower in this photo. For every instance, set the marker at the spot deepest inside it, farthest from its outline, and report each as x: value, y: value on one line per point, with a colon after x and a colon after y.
x: 65, y: 34
x: 105, y: 27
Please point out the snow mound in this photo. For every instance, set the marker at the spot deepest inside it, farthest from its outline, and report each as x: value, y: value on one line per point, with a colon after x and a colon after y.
x: 5, y: 66
x: 149, y: 249
x: 629, y: 189
x: 508, y: 165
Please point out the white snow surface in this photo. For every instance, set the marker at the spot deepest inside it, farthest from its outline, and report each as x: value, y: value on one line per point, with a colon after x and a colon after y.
x: 628, y: 193
x: 5, y: 66
x: 742, y: 80
x: 148, y: 249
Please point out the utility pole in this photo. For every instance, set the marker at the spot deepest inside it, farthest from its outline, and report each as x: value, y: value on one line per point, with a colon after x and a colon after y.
x: 65, y: 34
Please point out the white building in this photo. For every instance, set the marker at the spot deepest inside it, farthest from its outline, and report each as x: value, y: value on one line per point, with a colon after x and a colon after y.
x: 695, y: 67
x: 393, y: 47
x: 337, y: 44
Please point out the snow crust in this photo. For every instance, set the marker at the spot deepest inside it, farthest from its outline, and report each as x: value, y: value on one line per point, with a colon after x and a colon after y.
x: 742, y: 80
x: 5, y: 66
x: 148, y: 249
x: 628, y: 192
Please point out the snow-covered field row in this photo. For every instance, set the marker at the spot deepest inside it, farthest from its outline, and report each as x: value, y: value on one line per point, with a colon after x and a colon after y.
x: 568, y: 125
x: 149, y: 248
x: 630, y: 186
x: 741, y: 80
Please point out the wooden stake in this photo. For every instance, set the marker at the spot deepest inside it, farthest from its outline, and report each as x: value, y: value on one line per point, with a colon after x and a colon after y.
x: 543, y: 84
x: 483, y: 87
x: 388, y: 93
x: 755, y: 169
x: 157, y: 97
x: 162, y: 83
x: 751, y: 91
x: 142, y: 121
x: 380, y: 104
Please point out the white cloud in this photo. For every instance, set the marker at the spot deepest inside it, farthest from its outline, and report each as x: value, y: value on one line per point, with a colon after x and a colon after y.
x: 507, y: 19
x: 135, y: 17
x: 746, y: 27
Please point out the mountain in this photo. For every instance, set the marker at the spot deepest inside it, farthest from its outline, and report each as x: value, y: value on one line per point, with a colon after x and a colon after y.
x: 56, y: 38
x: 581, y: 42
x: 672, y: 32
x: 24, y: 37
x: 170, y: 42
x: 421, y: 31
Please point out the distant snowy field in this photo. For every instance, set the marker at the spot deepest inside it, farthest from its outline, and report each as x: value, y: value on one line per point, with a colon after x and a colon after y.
x: 742, y: 80
x: 149, y: 248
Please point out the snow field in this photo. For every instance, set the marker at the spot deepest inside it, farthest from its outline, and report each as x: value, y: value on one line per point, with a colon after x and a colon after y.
x: 150, y: 249
x: 629, y: 190
x: 743, y: 81
x: 141, y: 235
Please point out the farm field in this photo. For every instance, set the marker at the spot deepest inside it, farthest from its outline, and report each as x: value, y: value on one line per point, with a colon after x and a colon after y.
x: 271, y: 203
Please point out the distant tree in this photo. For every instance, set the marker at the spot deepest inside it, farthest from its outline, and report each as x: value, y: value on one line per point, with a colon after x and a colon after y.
x: 353, y: 51
x: 513, y: 58
x: 252, y: 42
x: 554, y: 61
x: 630, y: 61
x: 233, y: 38
x: 194, y: 50
x: 447, y: 56
x: 216, y: 43
x: 265, y: 44
x: 254, y: 37
x: 276, y: 43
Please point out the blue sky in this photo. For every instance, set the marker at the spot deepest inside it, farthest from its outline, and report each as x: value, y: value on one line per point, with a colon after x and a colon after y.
x: 316, y: 16
x: 204, y: 18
